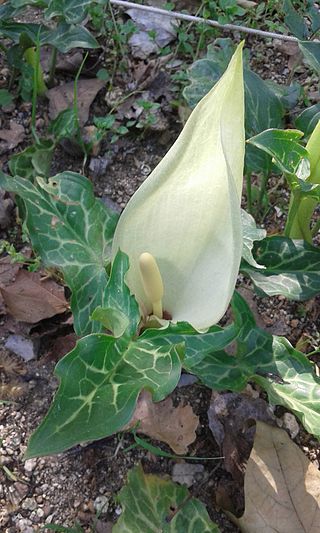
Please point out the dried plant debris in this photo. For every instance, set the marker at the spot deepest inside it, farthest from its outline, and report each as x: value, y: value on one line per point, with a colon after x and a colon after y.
x: 176, y: 426
x: 61, y: 98
x: 282, y: 487
x: 6, y: 210
x: 32, y: 297
x: 10, y: 138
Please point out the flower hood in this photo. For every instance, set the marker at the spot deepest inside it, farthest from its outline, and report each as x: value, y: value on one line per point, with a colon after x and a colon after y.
x: 187, y: 212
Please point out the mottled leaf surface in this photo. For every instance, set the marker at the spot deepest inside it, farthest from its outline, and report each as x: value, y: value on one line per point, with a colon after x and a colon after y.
x: 100, y: 380
x: 291, y: 268
x: 152, y: 504
x: 71, y: 230
x: 308, y: 119
x: 250, y: 234
x: 285, y: 373
x: 283, y: 146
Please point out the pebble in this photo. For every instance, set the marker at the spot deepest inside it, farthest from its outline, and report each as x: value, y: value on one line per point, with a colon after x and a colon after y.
x: 101, y: 504
x: 30, y: 504
x: 290, y: 423
x: 30, y: 465
x: 26, y: 348
x: 186, y: 473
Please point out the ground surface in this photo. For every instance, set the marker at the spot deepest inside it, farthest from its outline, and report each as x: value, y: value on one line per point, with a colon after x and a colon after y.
x: 81, y: 484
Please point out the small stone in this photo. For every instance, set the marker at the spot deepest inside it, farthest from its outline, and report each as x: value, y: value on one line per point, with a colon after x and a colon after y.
x: 40, y: 512
x: 26, y: 348
x: 186, y: 473
x: 290, y: 423
x: 101, y: 504
x: 30, y: 504
x: 30, y: 465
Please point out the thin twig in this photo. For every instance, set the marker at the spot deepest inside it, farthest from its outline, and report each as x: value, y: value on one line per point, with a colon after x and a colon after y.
x: 193, y: 18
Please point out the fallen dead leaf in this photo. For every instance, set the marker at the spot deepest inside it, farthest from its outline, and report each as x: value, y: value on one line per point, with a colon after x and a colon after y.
x: 230, y: 418
x: 282, y: 487
x: 6, y: 210
x: 31, y: 298
x: 12, y: 137
x: 163, y: 27
x: 8, y: 270
x: 176, y: 426
x: 61, y: 97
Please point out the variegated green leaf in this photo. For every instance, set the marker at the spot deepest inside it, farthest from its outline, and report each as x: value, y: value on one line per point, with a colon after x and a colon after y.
x: 197, y: 345
x: 250, y: 234
x: 291, y: 268
x: 286, y: 374
x: 299, y: 389
x: 68, y: 36
x: 152, y: 504
x: 121, y: 312
x: 308, y: 119
x: 284, y: 147
x: 72, y: 11
x: 70, y: 230
x: 100, y: 380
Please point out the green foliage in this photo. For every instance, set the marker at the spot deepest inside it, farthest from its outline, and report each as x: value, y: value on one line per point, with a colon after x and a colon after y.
x: 286, y: 374
x: 71, y: 230
x: 152, y: 504
x: 285, y: 149
x: 250, y: 234
x: 33, y: 161
x: 5, y: 98
x: 291, y: 268
x: 308, y: 119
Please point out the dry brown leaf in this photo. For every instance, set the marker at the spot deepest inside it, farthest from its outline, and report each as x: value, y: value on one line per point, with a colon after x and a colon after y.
x: 12, y: 137
x: 8, y: 270
x: 31, y: 298
x: 282, y: 487
x: 176, y: 426
x: 61, y: 97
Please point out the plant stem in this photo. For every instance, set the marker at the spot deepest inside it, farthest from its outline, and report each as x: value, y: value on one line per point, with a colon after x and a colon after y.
x: 263, y: 190
x: 75, y: 110
x: 116, y: 29
x: 292, y: 214
x: 35, y: 84
x: 249, y: 193
x: 53, y: 64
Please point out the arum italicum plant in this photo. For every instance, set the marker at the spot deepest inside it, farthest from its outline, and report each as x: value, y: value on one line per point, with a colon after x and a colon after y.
x: 303, y: 208
x: 182, y: 228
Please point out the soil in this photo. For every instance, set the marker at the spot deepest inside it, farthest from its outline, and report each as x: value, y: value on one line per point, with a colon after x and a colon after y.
x: 80, y: 485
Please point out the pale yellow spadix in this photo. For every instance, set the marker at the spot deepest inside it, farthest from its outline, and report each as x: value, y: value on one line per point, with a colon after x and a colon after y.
x: 187, y: 212
x: 152, y: 282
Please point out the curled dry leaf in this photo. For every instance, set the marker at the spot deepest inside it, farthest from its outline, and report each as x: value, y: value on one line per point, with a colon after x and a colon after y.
x: 282, y: 487
x: 31, y: 298
x: 61, y: 98
x: 176, y: 426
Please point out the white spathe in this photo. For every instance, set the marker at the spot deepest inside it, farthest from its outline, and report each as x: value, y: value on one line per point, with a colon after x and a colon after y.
x: 187, y: 212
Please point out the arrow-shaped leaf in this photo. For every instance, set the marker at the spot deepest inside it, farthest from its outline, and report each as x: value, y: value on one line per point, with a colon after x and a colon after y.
x: 100, y: 380
x: 71, y: 230
x: 152, y: 504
